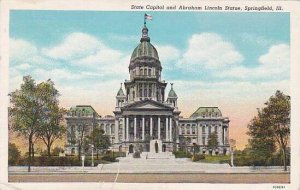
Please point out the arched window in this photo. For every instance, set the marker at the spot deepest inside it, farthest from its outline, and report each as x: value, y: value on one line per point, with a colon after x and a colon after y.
x: 112, y: 128
x: 149, y: 72
x: 141, y: 71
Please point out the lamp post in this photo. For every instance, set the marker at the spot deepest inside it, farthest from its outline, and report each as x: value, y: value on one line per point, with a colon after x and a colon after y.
x: 92, y: 155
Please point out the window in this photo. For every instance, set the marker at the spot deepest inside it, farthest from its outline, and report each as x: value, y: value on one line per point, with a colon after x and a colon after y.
x: 203, y: 140
x: 145, y: 72
x: 112, y: 128
x: 150, y: 90
x: 141, y: 71
x: 188, y: 129
x: 193, y: 129
x: 209, y: 130
x: 149, y: 72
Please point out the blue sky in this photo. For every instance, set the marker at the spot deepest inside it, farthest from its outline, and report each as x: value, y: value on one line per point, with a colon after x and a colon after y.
x: 231, y: 60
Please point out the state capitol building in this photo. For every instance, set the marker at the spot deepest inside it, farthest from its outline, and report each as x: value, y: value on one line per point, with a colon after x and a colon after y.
x: 145, y: 112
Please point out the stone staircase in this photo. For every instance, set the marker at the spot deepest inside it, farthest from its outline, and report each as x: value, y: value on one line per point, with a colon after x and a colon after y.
x: 160, y: 155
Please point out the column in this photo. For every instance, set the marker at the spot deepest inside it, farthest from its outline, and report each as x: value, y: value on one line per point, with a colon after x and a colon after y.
x: 123, y: 129
x: 227, y: 134
x: 170, y: 136
x: 110, y: 129
x: 134, y: 127
x: 143, y: 128
x: 206, y: 134
x: 167, y: 126
x: 224, y: 135
x: 220, y: 135
x: 151, y: 123
x: 127, y: 128
x: 180, y: 130
x: 117, y: 130
x: 199, y: 134
x: 158, y: 126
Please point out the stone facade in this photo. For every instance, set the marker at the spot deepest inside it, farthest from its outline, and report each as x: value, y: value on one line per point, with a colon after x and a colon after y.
x: 144, y: 113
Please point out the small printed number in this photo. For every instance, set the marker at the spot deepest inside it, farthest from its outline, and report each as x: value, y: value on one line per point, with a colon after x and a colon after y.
x: 278, y: 187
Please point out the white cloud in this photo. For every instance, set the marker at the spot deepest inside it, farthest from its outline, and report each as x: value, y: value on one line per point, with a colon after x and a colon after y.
x: 167, y: 53
x: 74, y: 46
x: 276, y: 62
x: 278, y: 55
x: 21, y: 50
x: 209, y: 50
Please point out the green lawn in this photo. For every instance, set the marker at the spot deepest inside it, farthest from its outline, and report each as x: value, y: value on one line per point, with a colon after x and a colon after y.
x: 216, y: 159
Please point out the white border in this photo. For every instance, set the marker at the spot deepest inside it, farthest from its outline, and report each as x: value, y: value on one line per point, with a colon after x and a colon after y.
x: 292, y: 7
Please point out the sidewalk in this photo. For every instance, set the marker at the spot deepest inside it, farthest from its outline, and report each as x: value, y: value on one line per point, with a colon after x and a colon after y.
x: 150, y: 166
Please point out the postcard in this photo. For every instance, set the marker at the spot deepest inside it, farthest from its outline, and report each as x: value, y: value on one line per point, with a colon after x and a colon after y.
x: 143, y: 94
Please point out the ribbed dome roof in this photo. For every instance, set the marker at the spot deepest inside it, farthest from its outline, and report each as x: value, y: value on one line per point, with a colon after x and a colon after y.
x: 144, y: 49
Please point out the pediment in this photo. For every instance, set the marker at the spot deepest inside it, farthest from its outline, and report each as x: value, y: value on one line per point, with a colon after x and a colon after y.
x: 147, y: 105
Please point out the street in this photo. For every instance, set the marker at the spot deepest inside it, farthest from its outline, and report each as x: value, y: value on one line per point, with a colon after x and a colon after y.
x: 154, y: 178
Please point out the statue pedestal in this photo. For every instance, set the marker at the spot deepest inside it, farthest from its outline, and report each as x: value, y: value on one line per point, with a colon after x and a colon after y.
x: 152, y: 145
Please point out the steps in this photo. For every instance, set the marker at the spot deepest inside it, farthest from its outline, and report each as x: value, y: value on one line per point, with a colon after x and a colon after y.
x: 160, y: 155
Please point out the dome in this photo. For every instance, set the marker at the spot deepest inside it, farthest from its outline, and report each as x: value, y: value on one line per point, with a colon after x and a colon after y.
x: 120, y: 92
x: 172, y: 93
x: 144, y: 49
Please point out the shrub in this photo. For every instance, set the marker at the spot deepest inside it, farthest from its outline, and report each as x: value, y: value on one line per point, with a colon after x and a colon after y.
x: 198, y: 157
x: 119, y: 154
x: 13, y: 154
x: 109, y: 158
x: 136, y: 154
x: 182, y: 154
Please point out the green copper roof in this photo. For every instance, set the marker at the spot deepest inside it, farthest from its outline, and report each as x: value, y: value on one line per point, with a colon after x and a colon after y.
x: 172, y: 93
x: 145, y: 48
x: 206, y: 112
x: 121, y: 92
x: 84, y: 110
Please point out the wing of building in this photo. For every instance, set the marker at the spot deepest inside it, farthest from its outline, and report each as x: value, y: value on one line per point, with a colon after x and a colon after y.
x: 144, y: 113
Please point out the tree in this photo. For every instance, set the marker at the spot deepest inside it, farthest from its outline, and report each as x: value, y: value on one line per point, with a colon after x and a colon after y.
x: 25, y: 112
x: 277, y: 116
x: 81, y: 141
x: 272, y: 127
x: 99, y: 140
x: 13, y: 154
x: 262, y: 144
x: 212, y: 141
x: 35, y: 113
x: 52, y: 116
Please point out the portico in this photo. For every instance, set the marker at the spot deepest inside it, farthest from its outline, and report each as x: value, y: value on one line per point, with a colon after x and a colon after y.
x: 146, y: 127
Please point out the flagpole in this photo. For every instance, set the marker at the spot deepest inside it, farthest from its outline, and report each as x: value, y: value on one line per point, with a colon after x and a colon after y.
x: 145, y: 19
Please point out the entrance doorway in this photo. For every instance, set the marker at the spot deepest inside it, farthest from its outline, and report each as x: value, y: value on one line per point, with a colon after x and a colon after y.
x: 131, y: 148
